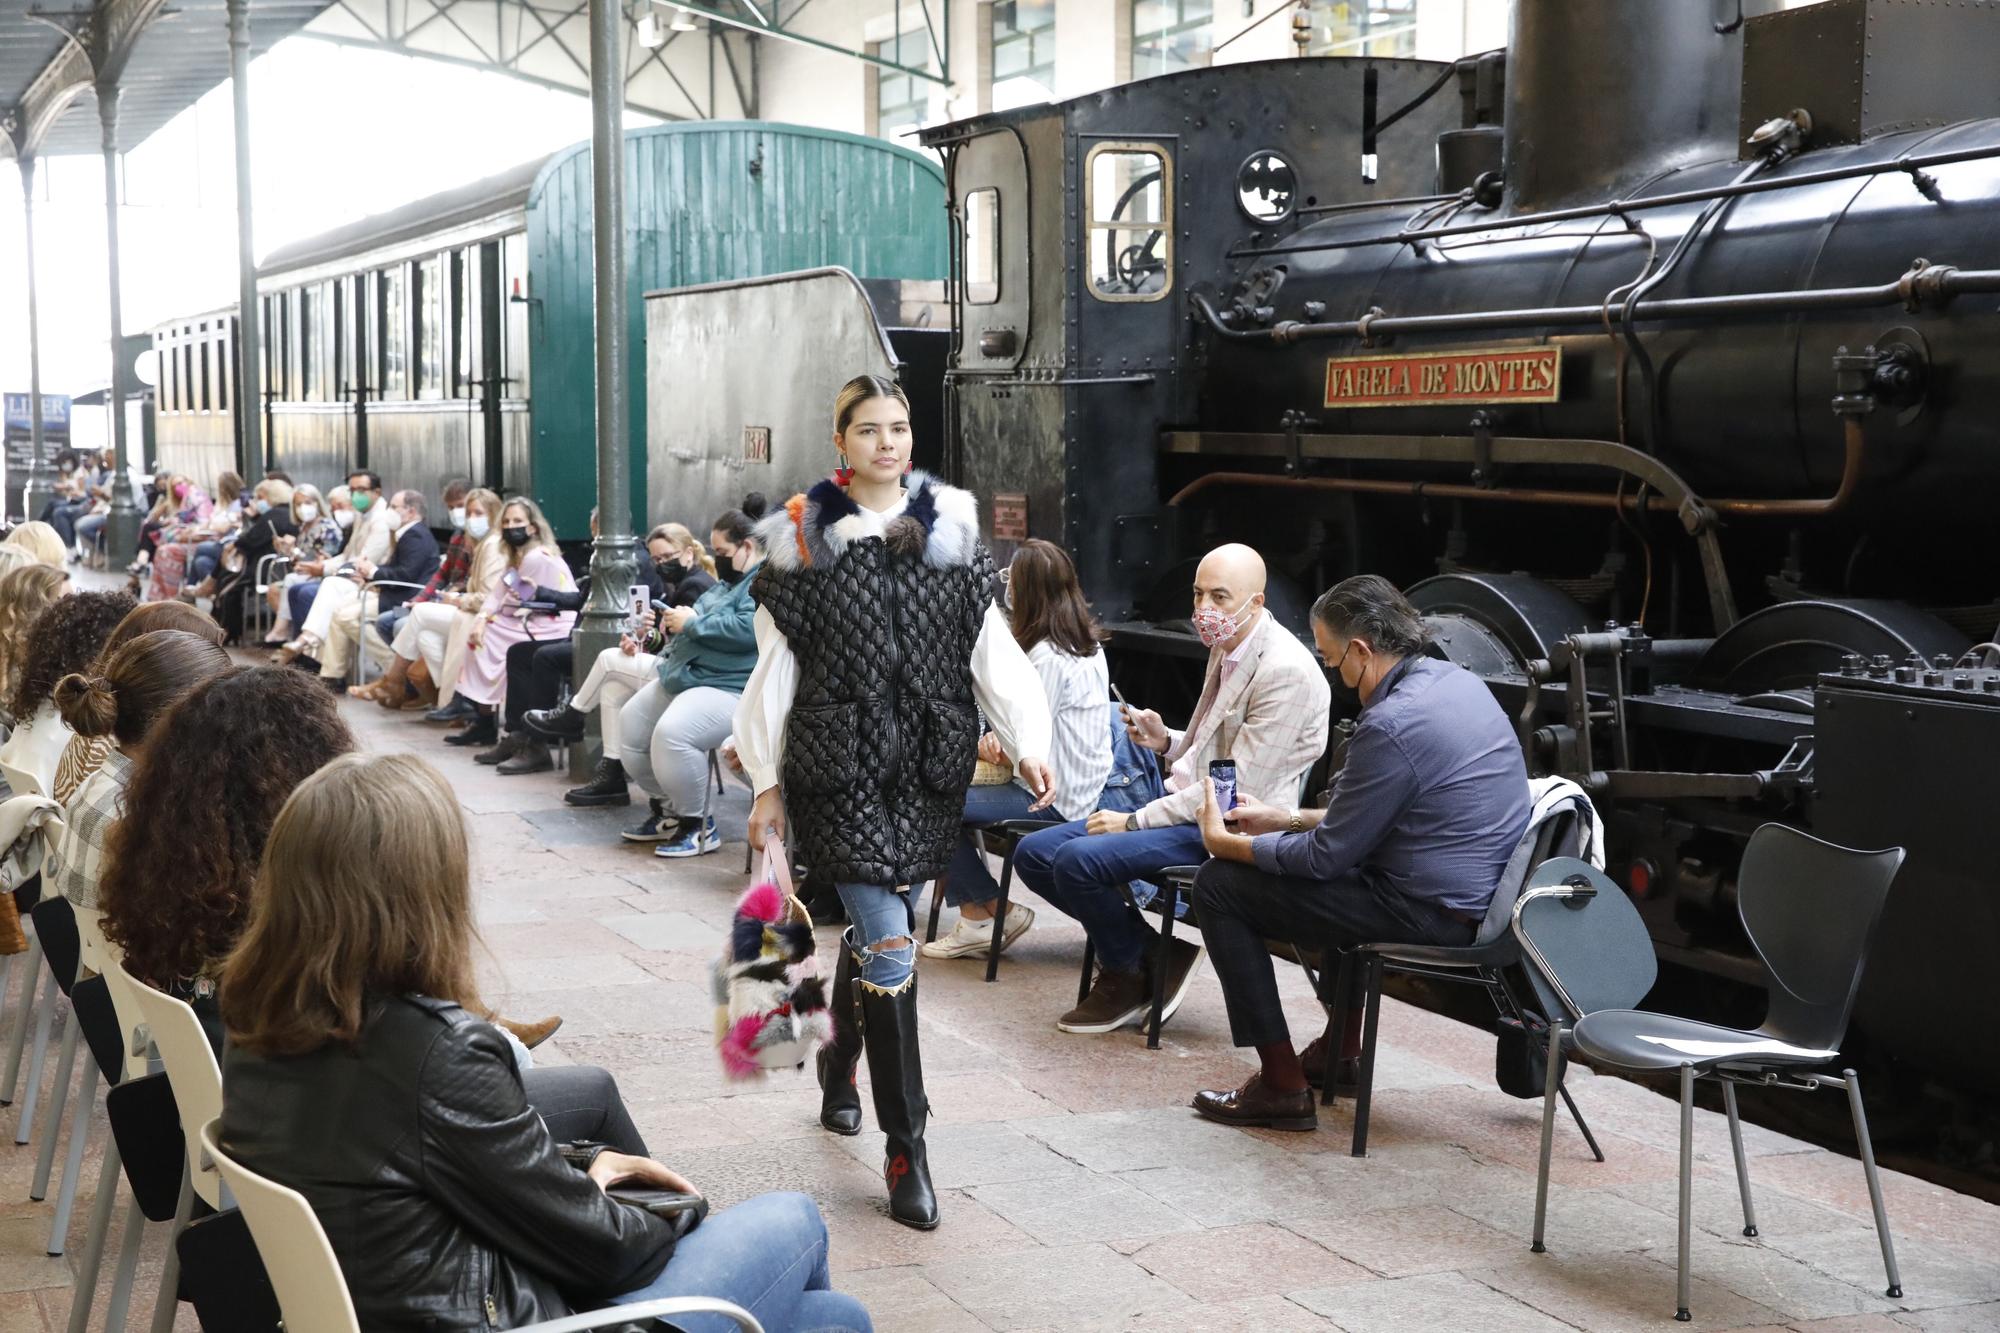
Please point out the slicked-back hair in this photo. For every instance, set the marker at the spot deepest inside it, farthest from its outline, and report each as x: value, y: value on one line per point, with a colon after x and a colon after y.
x: 1369, y: 607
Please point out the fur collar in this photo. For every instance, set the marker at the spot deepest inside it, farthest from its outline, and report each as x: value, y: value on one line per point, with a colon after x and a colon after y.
x: 939, y: 522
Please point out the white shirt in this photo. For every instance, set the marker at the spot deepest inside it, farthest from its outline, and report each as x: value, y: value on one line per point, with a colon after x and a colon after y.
x: 1004, y: 685
x: 1079, y: 694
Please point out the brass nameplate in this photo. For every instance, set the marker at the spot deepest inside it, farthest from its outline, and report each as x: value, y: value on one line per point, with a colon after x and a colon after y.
x: 1426, y: 379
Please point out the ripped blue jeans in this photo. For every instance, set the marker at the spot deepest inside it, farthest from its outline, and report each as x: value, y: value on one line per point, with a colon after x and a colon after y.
x: 877, y: 912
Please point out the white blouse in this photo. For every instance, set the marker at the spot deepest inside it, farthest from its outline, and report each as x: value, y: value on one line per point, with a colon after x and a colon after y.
x: 1004, y: 685
x: 1079, y: 693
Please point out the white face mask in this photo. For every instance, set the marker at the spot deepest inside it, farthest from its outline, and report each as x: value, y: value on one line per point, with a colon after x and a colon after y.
x: 344, y: 517
x: 458, y: 516
x: 477, y: 527
x: 307, y: 513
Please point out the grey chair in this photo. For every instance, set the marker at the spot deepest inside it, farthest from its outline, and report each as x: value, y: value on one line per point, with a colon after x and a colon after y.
x: 1809, y: 908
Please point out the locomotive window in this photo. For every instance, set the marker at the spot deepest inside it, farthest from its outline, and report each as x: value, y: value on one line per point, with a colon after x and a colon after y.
x: 1265, y: 187
x: 1128, y: 236
x: 982, y: 246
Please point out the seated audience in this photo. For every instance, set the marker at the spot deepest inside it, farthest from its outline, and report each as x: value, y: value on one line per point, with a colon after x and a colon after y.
x: 1423, y: 818
x: 179, y: 506
x: 321, y: 534
x: 455, y: 708
x: 413, y: 559
x: 1052, y: 623
x: 71, y: 499
x: 268, y: 523
x: 688, y: 708
x: 188, y: 553
x: 380, y: 639
x: 65, y: 638
x: 533, y: 563
x: 360, y: 1073
x: 686, y: 570
x: 1263, y: 705
x: 24, y: 594
x: 371, y: 539
x: 85, y: 752
x: 121, y: 699
x: 41, y: 541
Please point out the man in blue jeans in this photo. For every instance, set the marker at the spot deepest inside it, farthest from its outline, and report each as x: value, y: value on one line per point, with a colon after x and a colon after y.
x: 1263, y: 706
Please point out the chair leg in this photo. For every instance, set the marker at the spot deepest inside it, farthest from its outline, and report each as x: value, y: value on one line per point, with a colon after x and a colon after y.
x: 45, y: 1004
x: 1683, y: 1283
x: 999, y: 940
x: 1161, y: 952
x: 1550, y: 1086
x: 79, y: 1134
x: 1867, y: 1147
x: 24, y: 1014
x: 128, y: 1266
x: 84, y: 1293
x: 1742, y: 1166
x: 937, y: 908
x: 168, y: 1303
x: 1343, y: 981
x: 715, y: 770
x: 59, y: 1101
x: 1364, y: 1094
x: 1589, y: 1138
x: 1089, y: 966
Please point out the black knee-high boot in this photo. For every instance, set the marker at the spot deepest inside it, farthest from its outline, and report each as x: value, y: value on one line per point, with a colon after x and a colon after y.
x: 840, y: 1100
x: 896, y: 1074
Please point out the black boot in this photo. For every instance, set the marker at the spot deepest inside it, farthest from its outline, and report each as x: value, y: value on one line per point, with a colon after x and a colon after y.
x: 561, y: 723
x: 458, y: 710
x: 896, y: 1072
x: 504, y: 749
x: 485, y: 730
x: 840, y: 1100
x: 606, y: 787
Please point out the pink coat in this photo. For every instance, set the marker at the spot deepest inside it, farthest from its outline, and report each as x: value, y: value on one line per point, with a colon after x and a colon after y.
x: 484, y: 680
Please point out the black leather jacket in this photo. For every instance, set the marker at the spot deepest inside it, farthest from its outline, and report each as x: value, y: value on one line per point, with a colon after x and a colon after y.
x: 446, y: 1202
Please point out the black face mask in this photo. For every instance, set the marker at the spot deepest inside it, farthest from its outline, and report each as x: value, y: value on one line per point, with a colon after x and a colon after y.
x: 516, y: 536
x: 729, y: 572
x: 671, y: 571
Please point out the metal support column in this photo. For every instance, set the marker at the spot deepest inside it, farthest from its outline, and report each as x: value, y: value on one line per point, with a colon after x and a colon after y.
x: 250, y: 459
x: 121, y: 529
x: 613, y: 565
x: 41, y: 477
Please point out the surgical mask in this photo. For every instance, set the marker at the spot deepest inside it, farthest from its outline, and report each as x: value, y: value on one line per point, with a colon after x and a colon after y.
x: 361, y: 500
x: 180, y: 490
x: 307, y: 513
x: 1212, y: 626
x: 516, y: 537
x: 261, y: 505
x: 458, y: 516
x: 344, y: 517
x: 68, y: 468
x: 477, y: 527
x: 730, y: 573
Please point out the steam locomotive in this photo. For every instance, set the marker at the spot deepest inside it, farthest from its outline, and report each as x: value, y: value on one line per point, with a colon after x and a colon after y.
x: 1654, y: 355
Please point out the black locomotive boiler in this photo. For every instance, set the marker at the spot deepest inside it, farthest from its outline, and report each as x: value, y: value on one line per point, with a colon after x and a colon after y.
x: 1657, y: 356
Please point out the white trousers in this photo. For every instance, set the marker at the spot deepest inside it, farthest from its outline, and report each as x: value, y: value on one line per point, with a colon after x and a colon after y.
x: 614, y: 678
x: 336, y: 593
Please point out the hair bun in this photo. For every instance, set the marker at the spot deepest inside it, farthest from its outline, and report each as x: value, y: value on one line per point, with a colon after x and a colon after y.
x: 755, y: 506
x: 87, y: 703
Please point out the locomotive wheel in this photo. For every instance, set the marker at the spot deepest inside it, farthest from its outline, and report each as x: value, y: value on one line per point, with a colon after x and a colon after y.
x: 1494, y: 624
x: 1788, y: 646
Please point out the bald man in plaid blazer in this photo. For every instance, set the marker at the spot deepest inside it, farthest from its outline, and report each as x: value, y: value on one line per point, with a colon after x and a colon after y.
x: 1264, y: 706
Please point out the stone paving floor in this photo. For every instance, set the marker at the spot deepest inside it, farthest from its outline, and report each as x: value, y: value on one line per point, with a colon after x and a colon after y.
x: 1079, y: 1192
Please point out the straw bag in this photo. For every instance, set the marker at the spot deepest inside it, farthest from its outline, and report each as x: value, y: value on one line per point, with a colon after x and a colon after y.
x: 770, y: 999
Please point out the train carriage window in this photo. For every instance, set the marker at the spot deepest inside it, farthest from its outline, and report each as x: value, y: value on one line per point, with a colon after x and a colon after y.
x: 516, y: 284
x: 982, y: 246
x: 225, y: 364
x: 308, y: 345
x: 163, y: 355
x: 395, y: 334
x: 463, y: 351
x: 1129, y: 232
x: 427, y: 305
x: 202, y: 350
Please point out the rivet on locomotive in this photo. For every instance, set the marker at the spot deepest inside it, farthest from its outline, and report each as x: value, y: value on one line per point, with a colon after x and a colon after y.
x: 1657, y: 356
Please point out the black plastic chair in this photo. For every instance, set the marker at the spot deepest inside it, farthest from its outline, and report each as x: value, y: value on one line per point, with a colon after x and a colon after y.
x: 1810, y: 909
x: 998, y: 839
x: 1490, y: 962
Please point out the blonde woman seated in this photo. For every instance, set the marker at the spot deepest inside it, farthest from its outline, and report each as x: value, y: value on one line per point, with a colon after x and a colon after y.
x: 429, y: 647
x: 322, y: 524
x: 533, y: 563
x: 41, y: 541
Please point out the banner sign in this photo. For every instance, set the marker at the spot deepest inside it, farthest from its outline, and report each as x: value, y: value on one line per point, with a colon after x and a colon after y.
x: 1429, y: 379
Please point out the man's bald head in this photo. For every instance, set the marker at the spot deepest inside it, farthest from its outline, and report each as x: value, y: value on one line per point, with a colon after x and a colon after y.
x: 1229, y: 592
x: 1234, y: 567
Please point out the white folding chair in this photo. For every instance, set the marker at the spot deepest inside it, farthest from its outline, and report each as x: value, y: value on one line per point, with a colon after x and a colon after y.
x: 306, y: 1276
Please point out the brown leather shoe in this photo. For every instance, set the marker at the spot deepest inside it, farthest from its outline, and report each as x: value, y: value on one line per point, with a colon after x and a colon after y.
x: 1115, y: 999
x: 532, y: 1035
x: 1346, y: 1072
x: 1255, y: 1104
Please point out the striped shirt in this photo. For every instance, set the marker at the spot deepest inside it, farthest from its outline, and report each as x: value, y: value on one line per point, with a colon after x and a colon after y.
x: 1079, y: 693
x: 74, y: 866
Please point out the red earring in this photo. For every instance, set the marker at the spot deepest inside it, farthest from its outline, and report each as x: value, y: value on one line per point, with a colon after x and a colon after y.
x: 909, y: 467
x: 843, y: 474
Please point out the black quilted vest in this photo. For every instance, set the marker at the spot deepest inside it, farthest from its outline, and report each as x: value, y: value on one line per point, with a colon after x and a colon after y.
x: 883, y: 733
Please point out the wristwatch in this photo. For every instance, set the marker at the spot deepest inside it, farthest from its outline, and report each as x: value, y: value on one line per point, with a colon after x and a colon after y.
x: 1132, y: 822
x: 1297, y: 822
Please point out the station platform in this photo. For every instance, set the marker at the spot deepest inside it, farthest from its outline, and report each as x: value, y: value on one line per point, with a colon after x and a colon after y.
x: 1078, y: 1189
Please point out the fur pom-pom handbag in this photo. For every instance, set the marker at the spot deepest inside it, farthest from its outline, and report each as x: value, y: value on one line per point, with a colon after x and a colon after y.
x: 770, y: 997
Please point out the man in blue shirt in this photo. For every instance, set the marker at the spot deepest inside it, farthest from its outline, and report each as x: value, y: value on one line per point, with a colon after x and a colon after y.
x: 1426, y: 811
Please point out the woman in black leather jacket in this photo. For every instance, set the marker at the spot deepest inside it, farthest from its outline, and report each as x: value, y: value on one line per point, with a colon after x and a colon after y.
x: 360, y: 1074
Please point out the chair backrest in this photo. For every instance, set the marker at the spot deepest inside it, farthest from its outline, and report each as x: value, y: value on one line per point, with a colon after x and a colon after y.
x: 1582, y: 940
x: 304, y: 1272
x: 1811, y: 909
x: 124, y: 990
x: 1557, y: 834
x: 191, y: 1068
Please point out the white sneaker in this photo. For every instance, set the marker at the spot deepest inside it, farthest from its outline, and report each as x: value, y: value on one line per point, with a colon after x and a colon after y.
x: 972, y: 939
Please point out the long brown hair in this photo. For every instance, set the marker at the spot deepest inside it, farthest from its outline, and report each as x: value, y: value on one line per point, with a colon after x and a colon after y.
x: 130, y: 686
x: 199, y: 805
x: 1047, y: 602
x: 541, y: 534
x: 151, y: 617
x: 366, y: 892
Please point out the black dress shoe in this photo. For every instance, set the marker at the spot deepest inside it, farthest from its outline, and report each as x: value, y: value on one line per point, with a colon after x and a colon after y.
x: 1255, y: 1104
x: 458, y: 710
x: 606, y: 787
x: 530, y: 756
x: 561, y: 723
x: 485, y: 730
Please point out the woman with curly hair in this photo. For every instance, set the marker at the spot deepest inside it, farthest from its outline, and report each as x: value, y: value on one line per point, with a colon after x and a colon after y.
x: 66, y: 637
x: 24, y: 594
x: 198, y: 804
x: 85, y: 754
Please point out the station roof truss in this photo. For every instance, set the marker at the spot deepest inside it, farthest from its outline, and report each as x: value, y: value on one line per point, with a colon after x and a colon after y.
x: 163, y: 54
x: 770, y: 18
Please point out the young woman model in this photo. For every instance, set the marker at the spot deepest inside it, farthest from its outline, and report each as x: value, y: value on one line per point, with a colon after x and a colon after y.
x: 877, y: 635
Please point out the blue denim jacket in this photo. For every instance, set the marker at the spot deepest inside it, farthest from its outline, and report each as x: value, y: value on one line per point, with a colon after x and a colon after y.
x: 1135, y: 781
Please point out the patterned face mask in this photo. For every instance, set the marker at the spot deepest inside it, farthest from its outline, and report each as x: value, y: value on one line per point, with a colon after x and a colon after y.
x: 1212, y: 626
